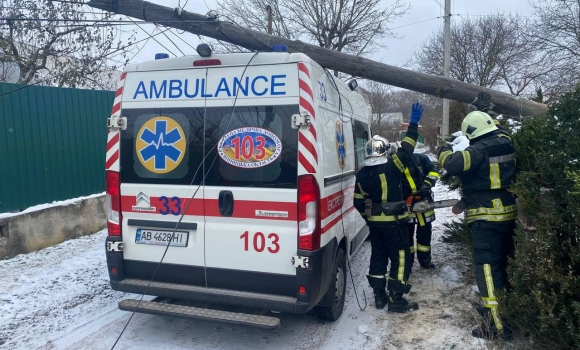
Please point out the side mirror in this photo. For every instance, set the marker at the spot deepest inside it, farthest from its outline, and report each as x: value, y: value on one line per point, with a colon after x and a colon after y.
x: 353, y: 84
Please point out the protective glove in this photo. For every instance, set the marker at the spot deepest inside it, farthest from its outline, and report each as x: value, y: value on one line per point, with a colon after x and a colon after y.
x: 416, y: 112
x: 483, y: 102
x: 460, y: 143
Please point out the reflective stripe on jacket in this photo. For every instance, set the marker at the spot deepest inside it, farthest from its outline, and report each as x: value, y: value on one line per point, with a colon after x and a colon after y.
x: 488, y: 164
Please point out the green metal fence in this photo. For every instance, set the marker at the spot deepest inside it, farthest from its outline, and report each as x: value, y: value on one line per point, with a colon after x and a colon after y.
x: 52, y: 144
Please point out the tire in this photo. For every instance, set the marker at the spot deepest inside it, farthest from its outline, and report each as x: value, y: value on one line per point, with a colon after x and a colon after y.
x: 337, y: 289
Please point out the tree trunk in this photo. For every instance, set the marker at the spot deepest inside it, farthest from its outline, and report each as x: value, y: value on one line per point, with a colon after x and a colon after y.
x: 353, y: 65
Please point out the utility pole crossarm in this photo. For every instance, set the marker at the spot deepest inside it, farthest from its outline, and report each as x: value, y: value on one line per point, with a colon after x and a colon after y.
x: 356, y: 66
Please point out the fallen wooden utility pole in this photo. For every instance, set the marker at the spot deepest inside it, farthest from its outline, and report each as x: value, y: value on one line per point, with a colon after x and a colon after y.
x: 353, y: 65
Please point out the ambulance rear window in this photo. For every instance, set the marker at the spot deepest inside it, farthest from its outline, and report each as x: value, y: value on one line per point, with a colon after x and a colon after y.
x: 251, y: 146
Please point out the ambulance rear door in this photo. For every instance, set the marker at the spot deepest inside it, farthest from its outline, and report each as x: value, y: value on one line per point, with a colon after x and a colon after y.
x: 251, y: 185
x: 161, y: 176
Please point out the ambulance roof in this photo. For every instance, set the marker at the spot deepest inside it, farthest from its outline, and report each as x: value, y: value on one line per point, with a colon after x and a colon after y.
x: 229, y: 59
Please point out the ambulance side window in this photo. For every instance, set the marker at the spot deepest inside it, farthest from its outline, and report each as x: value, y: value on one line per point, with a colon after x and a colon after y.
x: 361, y: 136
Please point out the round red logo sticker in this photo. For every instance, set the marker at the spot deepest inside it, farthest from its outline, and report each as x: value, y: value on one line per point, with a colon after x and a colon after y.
x: 249, y: 147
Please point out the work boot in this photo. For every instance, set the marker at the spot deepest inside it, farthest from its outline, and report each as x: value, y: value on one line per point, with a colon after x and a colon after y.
x: 396, y: 301
x: 399, y: 304
x: 482, y: 310
x: 426, y: 263
x: 379, y: 284
x: 381, y: 298
x: 490, y: 332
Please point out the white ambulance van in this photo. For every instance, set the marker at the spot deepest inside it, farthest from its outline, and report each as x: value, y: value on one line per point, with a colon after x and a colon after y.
x: 251, y: 159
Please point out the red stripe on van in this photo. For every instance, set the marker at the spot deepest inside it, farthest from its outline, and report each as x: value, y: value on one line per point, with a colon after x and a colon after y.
x: 336, y: 220
x: 209, y: 207
x: 307, y: 106
x: 306, y: 164
x: 313, y: 131
x: 308, y: 145
x: 251, y: 209
x: 305, y: 87
x: 113, y: 141
x: 116, y: 108
x: 302, y: 67
x: 331, y: 204
x: 112, y: 160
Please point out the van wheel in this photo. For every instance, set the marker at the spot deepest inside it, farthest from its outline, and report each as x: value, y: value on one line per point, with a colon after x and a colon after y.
x: 337, y: 289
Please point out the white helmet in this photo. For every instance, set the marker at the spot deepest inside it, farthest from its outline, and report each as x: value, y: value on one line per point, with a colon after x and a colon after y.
x: 477, y: 124
x: 377, y: 147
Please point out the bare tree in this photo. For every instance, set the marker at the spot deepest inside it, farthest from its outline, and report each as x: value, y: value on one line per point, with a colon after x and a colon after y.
x: 556, y: 31
x: 490, y: 51
x: 352, y: 26
x: 55, y: 42
x: 377, y: 96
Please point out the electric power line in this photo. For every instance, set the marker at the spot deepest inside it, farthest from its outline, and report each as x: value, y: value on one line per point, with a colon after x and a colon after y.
x: 410, y: 24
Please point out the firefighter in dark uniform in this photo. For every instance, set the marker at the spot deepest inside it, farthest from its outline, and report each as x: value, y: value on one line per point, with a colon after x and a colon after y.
x: 486, y: 170
x: 379, y: 198
x: 420, y: 176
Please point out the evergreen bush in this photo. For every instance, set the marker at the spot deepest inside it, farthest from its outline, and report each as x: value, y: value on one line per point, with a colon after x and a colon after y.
x: 544, y: 273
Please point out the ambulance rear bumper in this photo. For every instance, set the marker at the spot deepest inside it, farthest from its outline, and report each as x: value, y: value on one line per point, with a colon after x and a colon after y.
x: 230, y: 287
x: 212, y: 295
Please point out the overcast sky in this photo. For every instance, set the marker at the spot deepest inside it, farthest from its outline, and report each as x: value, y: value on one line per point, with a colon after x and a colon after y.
x: 395, y: 51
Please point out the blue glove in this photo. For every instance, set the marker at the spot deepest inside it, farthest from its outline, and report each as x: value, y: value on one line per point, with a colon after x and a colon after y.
x: 416, y: 112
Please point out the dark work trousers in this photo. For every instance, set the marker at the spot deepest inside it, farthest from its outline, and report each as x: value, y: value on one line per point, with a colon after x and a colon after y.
x: 423, y: 242
x: 492, y: 246
x: 389, y: 241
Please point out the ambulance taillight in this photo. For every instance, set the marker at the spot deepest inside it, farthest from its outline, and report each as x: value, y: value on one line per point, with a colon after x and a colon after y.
x: 308, y: 213
x: 113, y: 185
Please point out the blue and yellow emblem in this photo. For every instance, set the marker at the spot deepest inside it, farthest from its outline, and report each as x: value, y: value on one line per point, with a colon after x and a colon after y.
x: 160, y: 145
x: 340, y: 144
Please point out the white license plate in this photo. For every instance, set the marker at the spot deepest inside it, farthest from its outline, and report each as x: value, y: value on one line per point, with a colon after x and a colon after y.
x: 156, y: 237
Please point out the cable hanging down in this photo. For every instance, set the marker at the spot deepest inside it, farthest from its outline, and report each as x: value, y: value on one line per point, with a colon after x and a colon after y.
x: 190, y: 200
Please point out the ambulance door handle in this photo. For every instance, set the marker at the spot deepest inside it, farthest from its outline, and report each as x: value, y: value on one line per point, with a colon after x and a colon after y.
x: 226, y: 203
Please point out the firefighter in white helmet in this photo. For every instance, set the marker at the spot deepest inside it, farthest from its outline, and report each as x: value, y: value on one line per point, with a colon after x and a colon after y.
x: 486, y: 170
x: 379, y: 198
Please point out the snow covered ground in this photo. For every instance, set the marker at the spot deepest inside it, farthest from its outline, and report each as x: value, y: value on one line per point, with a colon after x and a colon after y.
x: 50, y: 205
x: 59, y: 298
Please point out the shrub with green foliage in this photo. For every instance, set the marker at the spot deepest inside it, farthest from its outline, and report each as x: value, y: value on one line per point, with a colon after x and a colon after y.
x: 545, y: 271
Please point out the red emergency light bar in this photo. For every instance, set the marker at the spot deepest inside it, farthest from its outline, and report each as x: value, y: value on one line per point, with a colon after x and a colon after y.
x: 202, y: 63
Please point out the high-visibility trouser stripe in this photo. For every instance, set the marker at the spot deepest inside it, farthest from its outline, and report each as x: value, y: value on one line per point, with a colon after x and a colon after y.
x: 401, y: 274
x: 443, y: 156
x: 423, y: 248
x: 410, y: 180
x: 494, y: 176
x: 359, y: 196
x: 384, y: 188
x: 361, y: 190
x: 466, y: 160
x: 412, y: 249
x: 421, y: 219
x: 378, y: 276
x: 491, y: 297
